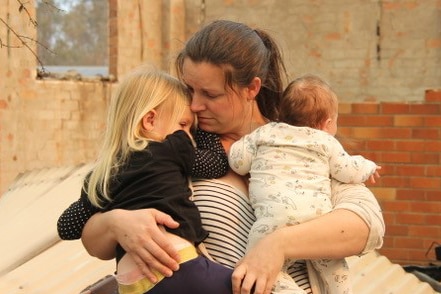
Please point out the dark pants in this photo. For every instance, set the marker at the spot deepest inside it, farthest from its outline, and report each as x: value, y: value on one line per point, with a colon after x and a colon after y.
x: 197, y: 276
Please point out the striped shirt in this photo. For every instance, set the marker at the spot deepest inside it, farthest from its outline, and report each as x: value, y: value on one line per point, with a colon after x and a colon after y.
x: 227, y: 215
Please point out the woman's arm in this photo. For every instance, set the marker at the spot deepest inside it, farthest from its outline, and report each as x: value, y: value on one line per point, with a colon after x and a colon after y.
x: 355, y: 226
x: 137, y: 231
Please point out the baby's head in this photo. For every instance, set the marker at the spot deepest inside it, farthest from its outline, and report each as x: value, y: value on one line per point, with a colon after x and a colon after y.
x: 309, y: 101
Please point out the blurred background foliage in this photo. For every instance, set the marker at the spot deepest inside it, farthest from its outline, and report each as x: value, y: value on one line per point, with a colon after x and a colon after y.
x: 73, y: 32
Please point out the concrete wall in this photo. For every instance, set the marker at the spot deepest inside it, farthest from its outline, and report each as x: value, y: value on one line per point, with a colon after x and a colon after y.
x: 371, y: 51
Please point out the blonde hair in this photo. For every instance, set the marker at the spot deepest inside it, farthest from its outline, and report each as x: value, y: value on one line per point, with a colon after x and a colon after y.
x: 308, y: 101
x: 143, y: 90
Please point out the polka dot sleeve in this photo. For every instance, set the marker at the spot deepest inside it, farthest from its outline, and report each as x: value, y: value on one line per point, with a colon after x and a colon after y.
x: 211, y: 159
x: 211, y: 162
x: 71, y: 223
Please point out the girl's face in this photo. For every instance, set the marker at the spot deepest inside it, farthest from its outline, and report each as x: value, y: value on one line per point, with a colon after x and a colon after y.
x: 219, y: 109
x: 163, y: 126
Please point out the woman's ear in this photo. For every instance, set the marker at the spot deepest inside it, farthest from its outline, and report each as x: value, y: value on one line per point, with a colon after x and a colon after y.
x: 148, y: 120
x: 254, y: 88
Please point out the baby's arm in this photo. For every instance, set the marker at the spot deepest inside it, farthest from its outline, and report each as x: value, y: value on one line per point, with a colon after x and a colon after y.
x: 351, y: 168
x: 210, y: 157
x: 241, y: 155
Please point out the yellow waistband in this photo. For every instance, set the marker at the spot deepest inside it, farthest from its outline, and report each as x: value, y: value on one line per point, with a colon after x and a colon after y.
x: 144, y: 285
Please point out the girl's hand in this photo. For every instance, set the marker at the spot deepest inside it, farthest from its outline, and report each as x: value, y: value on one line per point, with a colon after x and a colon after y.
x: 141, y: 234
x: 258, y: 270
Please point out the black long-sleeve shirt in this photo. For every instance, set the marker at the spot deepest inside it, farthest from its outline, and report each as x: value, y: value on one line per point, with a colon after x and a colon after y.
x: 209, y: 160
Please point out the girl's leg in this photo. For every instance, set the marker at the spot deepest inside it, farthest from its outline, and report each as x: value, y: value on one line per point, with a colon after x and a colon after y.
x: 197, y: 276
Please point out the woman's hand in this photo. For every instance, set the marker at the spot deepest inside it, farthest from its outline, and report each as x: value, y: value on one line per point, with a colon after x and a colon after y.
x: 337, y: 234
x: 140, y: 233
x: 258, y: 270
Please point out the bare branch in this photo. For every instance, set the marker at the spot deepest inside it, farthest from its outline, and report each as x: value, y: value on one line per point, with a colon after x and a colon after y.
x: 23, y: 8
x: 47, y: 3
x: 22, y: 40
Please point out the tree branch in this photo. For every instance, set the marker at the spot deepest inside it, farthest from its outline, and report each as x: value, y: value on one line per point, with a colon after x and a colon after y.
x: 22, y: 40
x: 22, y: 7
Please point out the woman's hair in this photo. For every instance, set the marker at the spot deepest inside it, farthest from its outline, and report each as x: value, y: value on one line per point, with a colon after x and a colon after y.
x: 142, y: 90
x: 308, y: 101
x: 243, y: 53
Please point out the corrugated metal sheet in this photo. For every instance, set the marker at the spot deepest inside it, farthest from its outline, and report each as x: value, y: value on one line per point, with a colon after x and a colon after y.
x: 375, y: 273
x: 34, y: 260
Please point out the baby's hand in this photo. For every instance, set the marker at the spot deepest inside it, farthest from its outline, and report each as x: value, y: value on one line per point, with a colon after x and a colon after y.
x: 375, y: 175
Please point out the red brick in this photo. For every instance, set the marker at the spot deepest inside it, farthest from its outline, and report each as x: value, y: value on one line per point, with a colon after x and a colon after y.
x: 352, y: 120
x: 396, y: 133
x: 432, y: 121
x: 395, y: 157
x: 380, y: 120
x: 395, y: 108
x: 434, y: 196
x: 411, y: 145
x: 396, y: 205
x: 426, y: 133
x: 408, y: 170
x: 424, y: 231
x: 382, y: 145
x: 425, y: 108
x: 417, y: 254
x: 410, y: 194
x: 408, y: 242
x: 408, y: 121
x: 397, y: 230
x: 389, y: 217
x: 426, y: 207
x: 371, y: 108
x: 389, y: 241
x: 433, y: 170
x: 425, y: 158
x: 410, y: 218
x: 433, y: 95
x: 434, y: 146
x: 392, y: 253
x: 433, y: 219
x: 394, y: 181
x: 425, y: 183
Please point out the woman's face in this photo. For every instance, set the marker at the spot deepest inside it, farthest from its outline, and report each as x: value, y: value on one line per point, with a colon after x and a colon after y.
x: 219, y: 109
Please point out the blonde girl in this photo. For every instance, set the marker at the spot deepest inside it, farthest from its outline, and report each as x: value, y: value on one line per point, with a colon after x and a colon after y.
x: 145, y: 161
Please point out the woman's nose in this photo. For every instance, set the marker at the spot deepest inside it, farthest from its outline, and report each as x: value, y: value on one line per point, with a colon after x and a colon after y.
x: 196, y: 103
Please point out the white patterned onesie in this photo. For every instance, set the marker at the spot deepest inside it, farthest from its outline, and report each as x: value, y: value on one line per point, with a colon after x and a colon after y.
x: 290, y: 169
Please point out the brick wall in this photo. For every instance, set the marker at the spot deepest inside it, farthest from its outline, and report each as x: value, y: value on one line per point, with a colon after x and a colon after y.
x: 405, y: 139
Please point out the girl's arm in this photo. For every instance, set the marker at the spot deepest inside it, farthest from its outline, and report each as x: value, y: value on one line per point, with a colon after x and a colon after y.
x: 139, y: 233
x: 71, y: 222
x: 355, y: 226
x: 210, y: 157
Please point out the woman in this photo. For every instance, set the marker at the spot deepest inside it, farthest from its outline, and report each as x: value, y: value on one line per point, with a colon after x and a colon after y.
x: 235, y: 75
